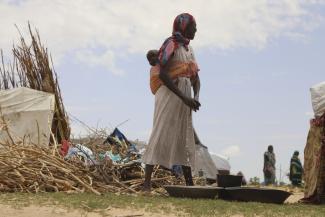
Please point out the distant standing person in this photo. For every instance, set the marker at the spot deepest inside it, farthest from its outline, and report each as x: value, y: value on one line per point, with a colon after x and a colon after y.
x: 269, y: 166
x: 172, y: 138
x: 296, y: 169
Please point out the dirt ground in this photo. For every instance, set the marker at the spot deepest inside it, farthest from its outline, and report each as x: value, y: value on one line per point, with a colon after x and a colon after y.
x: 48, y: 211
x: 51, y: 211
x: 54, y: 211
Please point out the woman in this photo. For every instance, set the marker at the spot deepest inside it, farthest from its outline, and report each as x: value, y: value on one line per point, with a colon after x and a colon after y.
x: 269, y: 166
x: 172, y: 138
x: 296, y: 170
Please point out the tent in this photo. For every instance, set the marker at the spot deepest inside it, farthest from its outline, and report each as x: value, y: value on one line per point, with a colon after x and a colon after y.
x: 221, y: 162
x: 204, y: 162
x: 28, y: 115
x: 209, y: 163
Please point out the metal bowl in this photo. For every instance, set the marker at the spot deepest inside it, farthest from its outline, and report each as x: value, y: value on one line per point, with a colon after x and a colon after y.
x: 192, y: 191
x: 249, y: 194
x: 229, y: 180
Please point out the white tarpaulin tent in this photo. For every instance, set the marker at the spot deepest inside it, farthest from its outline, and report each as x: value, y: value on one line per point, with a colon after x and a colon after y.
x: 204, y: 162
x: 209, y: 163
x: 28, y: 115
x: 221, y: 162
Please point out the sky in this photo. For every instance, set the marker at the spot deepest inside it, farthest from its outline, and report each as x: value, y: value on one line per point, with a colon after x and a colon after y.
x: 257, y: 59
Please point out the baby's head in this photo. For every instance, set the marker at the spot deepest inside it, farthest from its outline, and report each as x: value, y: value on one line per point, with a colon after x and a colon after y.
x: 152, y: 57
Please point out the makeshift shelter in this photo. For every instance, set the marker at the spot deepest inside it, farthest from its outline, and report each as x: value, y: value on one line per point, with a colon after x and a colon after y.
x: 204, y: 163
x: 221, y: 162
x: 314, y: 154
x: 26, y: 116
x: 32, y: 67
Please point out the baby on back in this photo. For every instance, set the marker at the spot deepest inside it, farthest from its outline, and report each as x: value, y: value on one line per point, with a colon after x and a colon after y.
x: 185, y: 69
x: 155, y: 82
x: 152, y: 57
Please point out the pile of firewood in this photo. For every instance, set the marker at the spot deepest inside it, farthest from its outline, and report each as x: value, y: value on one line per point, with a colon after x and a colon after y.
x: 30, y: 168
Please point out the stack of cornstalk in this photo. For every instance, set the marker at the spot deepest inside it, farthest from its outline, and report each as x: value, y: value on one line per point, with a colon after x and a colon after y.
x: 36, y: 169
x: 32, y: 67
x: 32, y: 168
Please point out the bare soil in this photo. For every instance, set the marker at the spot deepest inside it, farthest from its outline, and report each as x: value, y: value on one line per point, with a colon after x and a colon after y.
x: 53, y: 211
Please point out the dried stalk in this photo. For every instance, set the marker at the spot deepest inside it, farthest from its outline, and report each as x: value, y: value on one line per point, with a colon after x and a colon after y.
x: 32, y: 67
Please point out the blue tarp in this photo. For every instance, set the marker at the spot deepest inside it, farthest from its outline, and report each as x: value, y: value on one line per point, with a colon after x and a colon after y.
x: 117, y: 133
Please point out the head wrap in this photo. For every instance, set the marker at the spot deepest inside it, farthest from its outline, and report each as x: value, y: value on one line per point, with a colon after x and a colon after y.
x: 177, y: 39
x: 181, y: 22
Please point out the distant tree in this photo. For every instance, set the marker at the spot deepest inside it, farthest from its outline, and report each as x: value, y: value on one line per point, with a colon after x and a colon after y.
x: 254, y: 181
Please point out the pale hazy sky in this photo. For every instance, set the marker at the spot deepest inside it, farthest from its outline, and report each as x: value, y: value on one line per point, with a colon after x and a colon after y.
x: 258, y: 59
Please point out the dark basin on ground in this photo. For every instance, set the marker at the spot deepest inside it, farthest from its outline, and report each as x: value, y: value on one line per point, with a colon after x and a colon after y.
x: 248, y: 194
x: 229, y: 180
x: 193, y: 191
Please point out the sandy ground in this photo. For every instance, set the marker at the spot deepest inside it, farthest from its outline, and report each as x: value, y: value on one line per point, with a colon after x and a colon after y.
x: 51, y: 211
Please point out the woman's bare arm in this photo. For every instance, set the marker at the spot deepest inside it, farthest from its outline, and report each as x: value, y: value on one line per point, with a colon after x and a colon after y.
x: 196, y: 88
x: 165, y: 78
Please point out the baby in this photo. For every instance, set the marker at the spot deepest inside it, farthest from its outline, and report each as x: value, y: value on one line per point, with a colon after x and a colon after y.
x: 180, y: 69
x: 152, y: 57
x: 155, y: 82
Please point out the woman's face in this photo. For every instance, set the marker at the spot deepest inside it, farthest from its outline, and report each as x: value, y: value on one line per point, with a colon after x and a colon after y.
x: 190, y: 31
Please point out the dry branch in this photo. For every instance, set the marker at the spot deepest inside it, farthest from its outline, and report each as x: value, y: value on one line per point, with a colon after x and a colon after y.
x: 35, y: 169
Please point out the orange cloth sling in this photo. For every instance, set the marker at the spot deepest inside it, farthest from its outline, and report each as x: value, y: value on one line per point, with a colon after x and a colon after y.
x: 180, y: 69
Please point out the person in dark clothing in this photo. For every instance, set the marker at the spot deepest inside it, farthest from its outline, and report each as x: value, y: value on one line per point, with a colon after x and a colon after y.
x: 296, y: 170
x: 269, y: 166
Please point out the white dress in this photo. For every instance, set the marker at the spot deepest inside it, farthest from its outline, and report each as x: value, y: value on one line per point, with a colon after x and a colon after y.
x: 172, y: 137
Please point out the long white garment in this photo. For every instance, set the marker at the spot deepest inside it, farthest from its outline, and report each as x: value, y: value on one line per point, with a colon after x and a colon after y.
x: 172, y: 138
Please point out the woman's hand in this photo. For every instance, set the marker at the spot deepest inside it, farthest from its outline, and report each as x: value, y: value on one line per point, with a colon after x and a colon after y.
x: 192, y: 103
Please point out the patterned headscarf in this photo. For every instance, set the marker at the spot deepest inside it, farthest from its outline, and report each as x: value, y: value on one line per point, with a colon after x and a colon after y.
x: 177, y: 39
x: 181, y: 22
